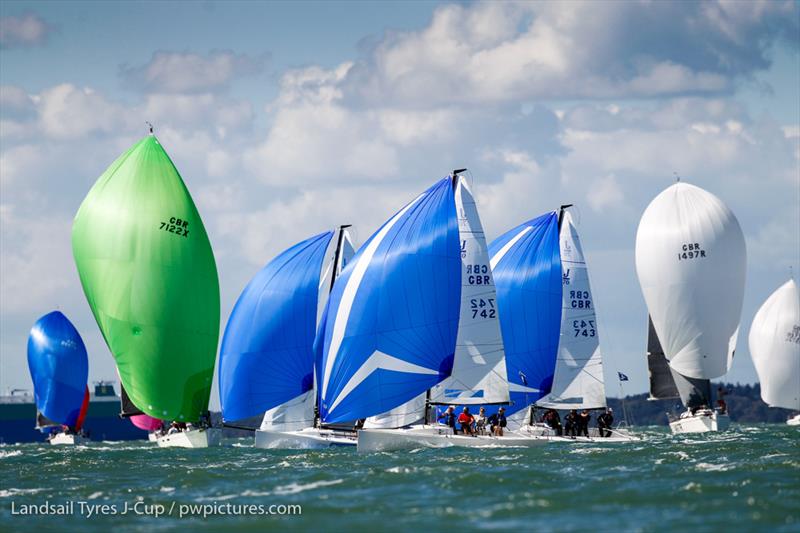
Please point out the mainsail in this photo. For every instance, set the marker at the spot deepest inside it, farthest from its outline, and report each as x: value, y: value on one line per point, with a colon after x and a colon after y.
x: 149, y: 275
x: 578, y: 377
x: 392, y: 319
x: 479, y: 365
x: 59, y: 370
x: 775, y: 347
x: 526, y: 265
x: 690, y: 260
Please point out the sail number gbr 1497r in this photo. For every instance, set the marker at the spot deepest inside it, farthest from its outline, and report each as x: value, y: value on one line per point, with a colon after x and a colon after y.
x: 690, y: 250
x: 176, y: 226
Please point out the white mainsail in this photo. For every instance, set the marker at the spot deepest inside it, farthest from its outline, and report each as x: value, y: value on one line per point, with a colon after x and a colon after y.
x: 578, y: 378
x: 298, y: 413
x: 775, y: 347
x: 479, y: 365
x: 691, y: 260
x: 409, y: 413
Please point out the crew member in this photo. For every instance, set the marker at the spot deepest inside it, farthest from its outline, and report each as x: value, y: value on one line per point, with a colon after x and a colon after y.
x: 498, y: 421
x: 604, y: 422
x: 465, y: 419
x: 583, y: 423
x: 449, y: 417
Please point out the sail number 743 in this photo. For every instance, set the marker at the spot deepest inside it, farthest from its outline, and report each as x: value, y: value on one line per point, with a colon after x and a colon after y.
x: 584, y: 328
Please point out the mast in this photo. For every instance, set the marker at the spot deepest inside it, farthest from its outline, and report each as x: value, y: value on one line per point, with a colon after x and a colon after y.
x: 561, y: 215
x: 336, y: 256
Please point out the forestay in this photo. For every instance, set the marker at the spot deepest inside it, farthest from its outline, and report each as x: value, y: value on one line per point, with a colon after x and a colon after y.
x: 392, y: 320
x: 690, y: 259
x: 775, y: 347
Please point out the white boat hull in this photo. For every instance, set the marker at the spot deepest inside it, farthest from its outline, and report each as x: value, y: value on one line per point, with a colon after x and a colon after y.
x: 304, y: 439
x: 541, y: 431
x: 152, y: 437
x: 192, y: 438
x: 794, y: 421
x: 702, y: 421
x: 68, y: 439
x: 385, y: 440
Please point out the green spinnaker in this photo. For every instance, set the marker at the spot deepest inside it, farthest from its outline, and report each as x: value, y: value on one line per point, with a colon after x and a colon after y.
x: 148, y: 272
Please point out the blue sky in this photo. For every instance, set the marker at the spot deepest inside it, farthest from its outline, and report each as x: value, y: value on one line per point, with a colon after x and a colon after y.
x: 288, y: 118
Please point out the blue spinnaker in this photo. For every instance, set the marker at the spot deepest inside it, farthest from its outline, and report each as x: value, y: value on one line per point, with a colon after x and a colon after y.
x: 59, y: 368
x: 526, y: 264
x: 267, y: 356
x: 392, y: 317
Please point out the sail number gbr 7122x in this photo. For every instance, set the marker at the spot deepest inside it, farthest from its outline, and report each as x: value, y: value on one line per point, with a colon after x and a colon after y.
x: 176, y: 226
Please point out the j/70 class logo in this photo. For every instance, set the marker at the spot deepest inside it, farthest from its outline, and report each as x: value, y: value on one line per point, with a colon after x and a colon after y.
x: 176, y: 226
x: 691, y: 250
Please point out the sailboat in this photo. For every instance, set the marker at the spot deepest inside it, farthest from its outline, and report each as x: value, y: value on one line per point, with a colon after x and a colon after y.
x: 690, y: 260
x: 59, y: 369
x: 406, y: 319
x: 266, y: 362
x: 549, y: 324
x: 148, y: 273
x: 775, y: 349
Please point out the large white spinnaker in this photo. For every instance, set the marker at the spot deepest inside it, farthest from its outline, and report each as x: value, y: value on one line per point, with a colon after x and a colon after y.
x: 479, y: 367
x: 775, y: 347
x: 691, y: 260
x: 578, y: 377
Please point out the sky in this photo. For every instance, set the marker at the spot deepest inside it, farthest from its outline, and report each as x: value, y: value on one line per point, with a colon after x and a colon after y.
x: 287, y: 119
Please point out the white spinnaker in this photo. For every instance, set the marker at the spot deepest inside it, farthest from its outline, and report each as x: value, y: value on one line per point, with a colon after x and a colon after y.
x: 578, y: 377
x: 479, y: 366
x: 403, y: 415
x: 298, y: 413
x: 691, y: 260
x: 775, y: 347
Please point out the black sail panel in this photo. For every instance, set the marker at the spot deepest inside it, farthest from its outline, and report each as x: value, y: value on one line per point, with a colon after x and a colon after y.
x: 662, y: 383
x: 128, y: 409
x: 694, y: 392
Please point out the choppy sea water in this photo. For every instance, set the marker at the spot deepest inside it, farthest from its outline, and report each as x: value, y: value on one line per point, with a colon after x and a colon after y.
x: 747, y: 479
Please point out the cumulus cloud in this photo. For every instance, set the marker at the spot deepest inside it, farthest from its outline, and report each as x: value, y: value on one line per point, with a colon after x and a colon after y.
x: 502, y: 51
x: 23, y: 31
x: 186, y: 72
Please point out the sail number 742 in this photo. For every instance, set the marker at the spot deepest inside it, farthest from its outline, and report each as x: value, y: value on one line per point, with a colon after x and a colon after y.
x: 483, y: 307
